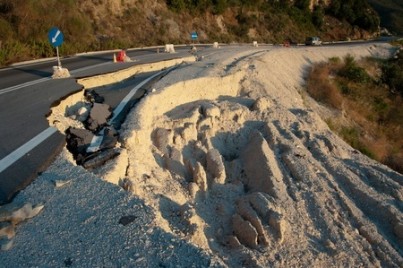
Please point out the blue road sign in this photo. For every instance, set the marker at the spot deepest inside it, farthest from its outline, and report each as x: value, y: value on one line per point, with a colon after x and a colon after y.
x: 55, y: 37
x: 193, y: 35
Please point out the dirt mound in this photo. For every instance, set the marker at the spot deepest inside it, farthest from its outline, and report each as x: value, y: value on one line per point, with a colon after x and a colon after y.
x: 238, y: 164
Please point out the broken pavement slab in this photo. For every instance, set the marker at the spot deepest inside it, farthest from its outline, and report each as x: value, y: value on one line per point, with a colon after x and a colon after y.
x: 78, y: 141
x: 98, y: 116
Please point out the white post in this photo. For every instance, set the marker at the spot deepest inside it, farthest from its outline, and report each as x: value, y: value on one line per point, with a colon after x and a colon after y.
x: 58, y: 58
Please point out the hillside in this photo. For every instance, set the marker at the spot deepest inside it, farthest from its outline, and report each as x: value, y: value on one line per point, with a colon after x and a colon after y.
x: 391, y: 13
x: 104, y: 24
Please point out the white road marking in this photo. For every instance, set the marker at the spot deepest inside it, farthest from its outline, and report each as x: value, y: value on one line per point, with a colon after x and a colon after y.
x: 31, y: 83
x: 27, y: 84
x: 26, y: 148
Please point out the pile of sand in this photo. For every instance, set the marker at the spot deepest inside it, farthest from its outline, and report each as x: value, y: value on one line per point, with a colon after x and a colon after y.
x: 230, y: 161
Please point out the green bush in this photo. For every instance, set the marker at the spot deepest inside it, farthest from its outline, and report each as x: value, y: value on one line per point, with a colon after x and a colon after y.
x: 353, y: 72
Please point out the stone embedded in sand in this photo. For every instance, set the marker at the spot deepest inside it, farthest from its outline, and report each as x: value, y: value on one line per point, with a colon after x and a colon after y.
x: 261, y: 169
x: 162, y: 138
x: 215, y: 166
x: 210, y: 110
x: 98, y: 116
x: 244, y: 231
x: 125, y: 220
x: 261, y: 104
x: 246, y: 211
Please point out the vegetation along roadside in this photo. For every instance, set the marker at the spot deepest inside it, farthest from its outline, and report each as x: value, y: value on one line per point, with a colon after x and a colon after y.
x: 367, y: 97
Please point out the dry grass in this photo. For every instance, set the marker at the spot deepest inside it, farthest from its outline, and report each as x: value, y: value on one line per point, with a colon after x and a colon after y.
x: 321, y: 89
x: 374, y: 114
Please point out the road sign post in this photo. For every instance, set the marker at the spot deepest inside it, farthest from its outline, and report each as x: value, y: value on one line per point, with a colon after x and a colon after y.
x: 56, y: 38
x: 194, y: 36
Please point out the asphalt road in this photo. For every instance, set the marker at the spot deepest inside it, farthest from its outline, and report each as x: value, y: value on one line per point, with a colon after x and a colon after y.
x: 26, y: 94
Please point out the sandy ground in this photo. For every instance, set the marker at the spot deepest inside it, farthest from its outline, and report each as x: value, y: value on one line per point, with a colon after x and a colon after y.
x: 228, y: 164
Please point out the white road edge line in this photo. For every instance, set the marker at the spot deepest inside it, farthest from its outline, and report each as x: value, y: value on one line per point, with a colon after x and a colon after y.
x: 25, y: 148
x: 34, y: 82
x: 97, y: 139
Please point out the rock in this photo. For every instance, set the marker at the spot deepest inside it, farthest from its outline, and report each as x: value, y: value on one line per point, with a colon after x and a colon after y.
x: 125, y: 220
x: 261, y: 104
x: 261, y: 169
x: 98, y: 116
x: 61, y: 183
x: 244, y: 231
x: 126, y: 184
x: 82, y: 114
x: 210, y: 110
x: 215, y: 166
x: 59, y: 72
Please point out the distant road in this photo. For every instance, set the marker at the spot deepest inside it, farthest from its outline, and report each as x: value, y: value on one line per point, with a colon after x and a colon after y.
x: 27, y: 143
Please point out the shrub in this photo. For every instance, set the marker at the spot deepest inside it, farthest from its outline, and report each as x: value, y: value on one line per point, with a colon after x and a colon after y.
x: 353, y: 72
